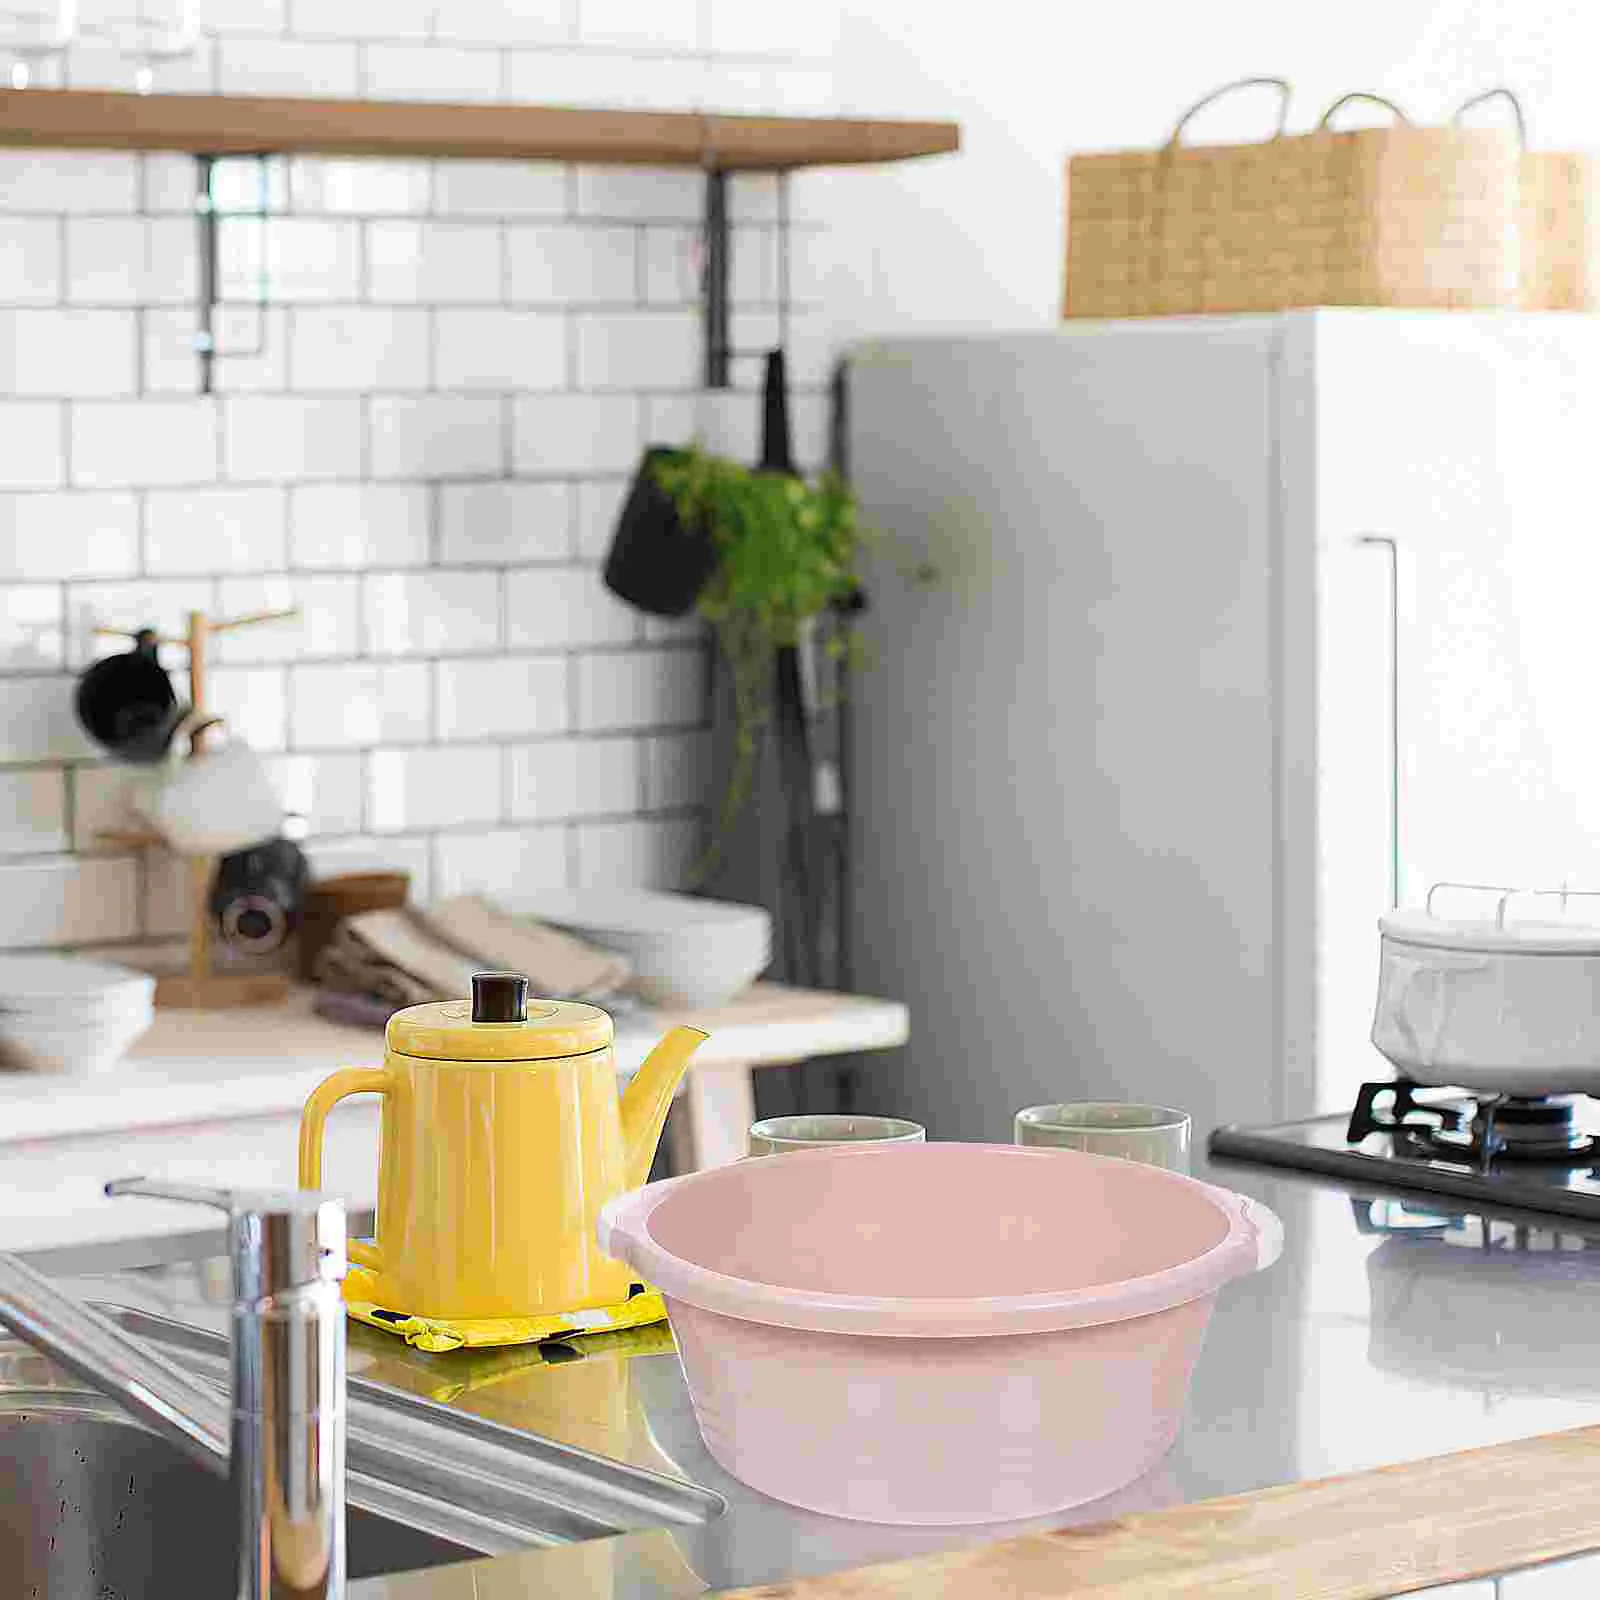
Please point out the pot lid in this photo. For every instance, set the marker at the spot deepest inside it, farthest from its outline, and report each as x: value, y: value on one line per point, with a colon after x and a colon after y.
x: 1523, y: 938
x: 499, y: 1023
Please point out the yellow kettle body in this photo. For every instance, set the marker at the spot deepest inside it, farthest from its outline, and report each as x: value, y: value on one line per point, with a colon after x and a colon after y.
x: 502, y: 1137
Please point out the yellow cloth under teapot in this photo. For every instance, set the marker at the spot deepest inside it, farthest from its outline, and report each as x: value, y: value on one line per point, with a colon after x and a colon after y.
x: 644, y: 1308
x: 502, y: 1138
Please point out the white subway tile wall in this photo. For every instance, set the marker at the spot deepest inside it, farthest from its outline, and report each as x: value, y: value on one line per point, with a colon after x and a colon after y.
x: 68, y: 352
x: 498, y: 189
x: 434, y: 382
x: 553, y: 263
x: 32, y: 628
x: 143, y: 443
x: 503, y: 697
x: 436, y: 436
x: 484, y: 347
x: 289, y: 438
x: 129, y: 261
x: 503, y: 861
x: 290, y: 66
x: 431, y: 72
x: 354, y: 525
x: 212, y: 530
x: 498, y: 523
x: 359, y: 347
x: 360, y: 703
x: 348, y: 187
x: 68, y: 536
x: 35, y: 451
x: 33, y: 811
x: 30, y: 261
x: 630, y: 81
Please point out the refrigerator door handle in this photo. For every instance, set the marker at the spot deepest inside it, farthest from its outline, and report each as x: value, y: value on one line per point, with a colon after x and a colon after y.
x: 1391, y: 547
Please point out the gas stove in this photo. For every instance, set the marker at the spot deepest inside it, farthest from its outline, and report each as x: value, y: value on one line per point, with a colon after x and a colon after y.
x: 1540, y: 1153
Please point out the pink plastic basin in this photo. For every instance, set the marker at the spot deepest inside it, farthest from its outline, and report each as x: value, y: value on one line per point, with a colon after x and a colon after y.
x: 938, y: 1333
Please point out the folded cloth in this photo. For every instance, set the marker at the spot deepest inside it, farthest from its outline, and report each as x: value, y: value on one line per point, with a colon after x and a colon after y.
x: 348, y: 966
x: 400, y: 939
x: 354, y: 1009
x: 557, y: 964
x: 643, y: 1306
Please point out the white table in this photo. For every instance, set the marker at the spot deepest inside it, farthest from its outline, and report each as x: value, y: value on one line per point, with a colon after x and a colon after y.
x: 215, y: 1096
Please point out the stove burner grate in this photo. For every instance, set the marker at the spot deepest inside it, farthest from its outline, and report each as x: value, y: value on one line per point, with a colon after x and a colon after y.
x: 1496, y: 1128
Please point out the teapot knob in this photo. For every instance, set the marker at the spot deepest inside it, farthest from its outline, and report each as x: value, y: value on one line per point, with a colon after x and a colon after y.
x: 499, y: 997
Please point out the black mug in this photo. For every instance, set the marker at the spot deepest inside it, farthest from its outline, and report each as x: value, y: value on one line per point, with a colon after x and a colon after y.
x: 126, y: 703
x: 258, y: 895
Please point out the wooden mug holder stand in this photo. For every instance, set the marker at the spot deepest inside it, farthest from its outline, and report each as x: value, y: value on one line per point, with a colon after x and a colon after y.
x: 201, y: 986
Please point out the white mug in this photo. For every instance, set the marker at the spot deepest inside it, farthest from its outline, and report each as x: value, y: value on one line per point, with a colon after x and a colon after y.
x: 218, y: 800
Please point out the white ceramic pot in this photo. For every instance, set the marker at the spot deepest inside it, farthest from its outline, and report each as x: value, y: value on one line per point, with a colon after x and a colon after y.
x: 1474, y: 1005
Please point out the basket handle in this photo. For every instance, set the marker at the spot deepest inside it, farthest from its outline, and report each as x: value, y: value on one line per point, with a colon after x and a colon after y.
x: 1280, y: 84
x: 1518, y: 118
x: 1362, y: 94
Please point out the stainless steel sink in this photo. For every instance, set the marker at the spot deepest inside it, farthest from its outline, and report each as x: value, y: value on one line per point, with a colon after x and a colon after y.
x: 467, y: 1481
x: 93, y: 1505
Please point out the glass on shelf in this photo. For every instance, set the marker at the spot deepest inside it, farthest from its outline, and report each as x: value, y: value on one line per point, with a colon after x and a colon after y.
x: 148, y: 33
x: 31, y: 32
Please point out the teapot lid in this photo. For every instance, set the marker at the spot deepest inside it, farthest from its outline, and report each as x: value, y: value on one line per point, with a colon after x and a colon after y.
x: 499, y: 1023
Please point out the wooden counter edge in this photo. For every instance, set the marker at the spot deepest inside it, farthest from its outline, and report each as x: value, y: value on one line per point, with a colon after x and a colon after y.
x: 1360, y: 1536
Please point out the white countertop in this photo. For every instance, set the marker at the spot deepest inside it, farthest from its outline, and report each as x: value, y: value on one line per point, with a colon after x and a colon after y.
x: 208, y: 1066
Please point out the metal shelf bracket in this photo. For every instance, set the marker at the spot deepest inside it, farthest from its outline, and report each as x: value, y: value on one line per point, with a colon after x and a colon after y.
x: 208, y: 214
x: 716, y: 302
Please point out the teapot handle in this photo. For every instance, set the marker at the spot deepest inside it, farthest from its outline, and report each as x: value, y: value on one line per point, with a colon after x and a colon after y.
x: 313, y: 1120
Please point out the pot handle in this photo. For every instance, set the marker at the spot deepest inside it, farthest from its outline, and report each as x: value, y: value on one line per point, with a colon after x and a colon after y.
x: 313, y: 1120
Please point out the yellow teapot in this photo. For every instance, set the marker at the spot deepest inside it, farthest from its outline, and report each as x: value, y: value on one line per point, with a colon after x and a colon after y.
x: 502, y: 1137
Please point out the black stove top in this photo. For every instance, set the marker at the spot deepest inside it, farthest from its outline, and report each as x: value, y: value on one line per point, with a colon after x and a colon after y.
x: 1540, y: 1154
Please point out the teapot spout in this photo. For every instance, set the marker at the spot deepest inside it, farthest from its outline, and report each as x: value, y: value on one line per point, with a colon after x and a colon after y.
x: 648, y: 1098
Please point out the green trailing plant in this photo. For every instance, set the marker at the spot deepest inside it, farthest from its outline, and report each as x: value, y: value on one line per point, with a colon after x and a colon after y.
x: 787, y: 553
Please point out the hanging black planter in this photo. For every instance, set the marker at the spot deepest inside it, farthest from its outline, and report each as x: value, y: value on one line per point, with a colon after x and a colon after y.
x: 656, y: 563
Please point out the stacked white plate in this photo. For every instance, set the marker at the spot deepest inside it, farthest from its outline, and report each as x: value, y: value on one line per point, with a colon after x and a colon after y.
x: 684, y: 951
x: 67, y: 1014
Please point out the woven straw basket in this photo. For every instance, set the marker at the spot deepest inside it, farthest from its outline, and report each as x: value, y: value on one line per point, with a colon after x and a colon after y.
x: 1395, y: 216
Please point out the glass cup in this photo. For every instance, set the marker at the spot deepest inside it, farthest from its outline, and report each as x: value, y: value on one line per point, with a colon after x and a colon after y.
x: 150, y: 33
x: 33, y: 32
x: 777, y: 1134
x: 1155, y: 1135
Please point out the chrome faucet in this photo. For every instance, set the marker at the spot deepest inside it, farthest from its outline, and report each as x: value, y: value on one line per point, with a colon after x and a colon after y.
x: 284, y: 1443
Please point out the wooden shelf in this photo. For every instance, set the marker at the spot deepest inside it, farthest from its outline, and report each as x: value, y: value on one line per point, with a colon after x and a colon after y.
x: 251, y: 125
